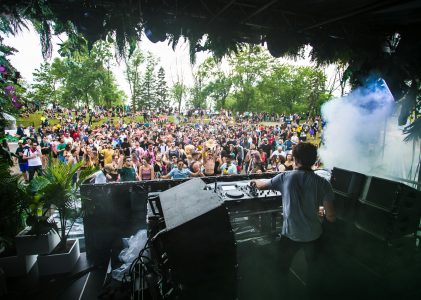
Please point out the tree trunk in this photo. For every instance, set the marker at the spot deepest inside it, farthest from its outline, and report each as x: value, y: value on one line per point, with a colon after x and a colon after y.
x: 133, y: 104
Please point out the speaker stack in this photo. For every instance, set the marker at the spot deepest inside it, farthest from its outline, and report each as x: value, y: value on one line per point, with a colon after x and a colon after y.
x: 196, y: 249
x: 387, y: 210
x: 347, y: 186
x: 379, y: 219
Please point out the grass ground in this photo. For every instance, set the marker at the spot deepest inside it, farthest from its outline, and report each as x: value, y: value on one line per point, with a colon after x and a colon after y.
x: 35, y: 120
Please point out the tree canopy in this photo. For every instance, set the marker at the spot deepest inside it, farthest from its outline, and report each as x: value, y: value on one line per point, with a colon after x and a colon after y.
x: 146, y: 80
x: 77, y: 79
x: 258, y: 83
x: 370, y: 36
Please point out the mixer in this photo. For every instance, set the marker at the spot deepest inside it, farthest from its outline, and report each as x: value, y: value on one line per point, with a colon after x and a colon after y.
x: 242, y: 191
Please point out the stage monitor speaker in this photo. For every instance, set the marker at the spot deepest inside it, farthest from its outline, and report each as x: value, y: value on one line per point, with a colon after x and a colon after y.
x: 390, y: 195
x: 388, y: 209
x: 345, y: 207
x: 347, y: 182
x: 198, y: 242
x: 347, y: 186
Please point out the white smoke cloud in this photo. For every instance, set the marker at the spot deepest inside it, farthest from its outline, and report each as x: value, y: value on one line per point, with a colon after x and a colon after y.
x: 362, y: 134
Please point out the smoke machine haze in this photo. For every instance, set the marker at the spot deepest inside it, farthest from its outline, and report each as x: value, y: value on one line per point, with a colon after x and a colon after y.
x: 362, y: 134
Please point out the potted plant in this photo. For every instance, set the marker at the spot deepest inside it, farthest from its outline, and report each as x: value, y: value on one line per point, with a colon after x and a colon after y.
x: 41, y: 235
x: 58, y: 188
x: 13, y: 200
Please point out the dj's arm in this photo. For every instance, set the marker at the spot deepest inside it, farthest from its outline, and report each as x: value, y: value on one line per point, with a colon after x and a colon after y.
x: 269, y: 184
x: 260, y: 184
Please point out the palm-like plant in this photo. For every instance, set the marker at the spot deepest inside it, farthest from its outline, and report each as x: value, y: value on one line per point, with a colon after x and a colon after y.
x: 12, y: 205
x: 57, y: 188
x: 17, y: 203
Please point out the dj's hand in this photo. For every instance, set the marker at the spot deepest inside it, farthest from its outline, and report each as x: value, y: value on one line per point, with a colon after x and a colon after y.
x: 259, y: 184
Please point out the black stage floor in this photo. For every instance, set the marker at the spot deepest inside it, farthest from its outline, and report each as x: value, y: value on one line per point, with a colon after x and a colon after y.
x: 360, y: 268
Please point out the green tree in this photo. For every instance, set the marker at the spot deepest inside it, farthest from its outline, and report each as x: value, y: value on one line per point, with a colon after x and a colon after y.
x: 248, y: 67
x: 134, y: 75
x: 289, y: 89
x: 198, y: 92
x: 46, y: 84
x: 162, y: 90
x: 85, y: 78
x: 148, y: 84
x: 219, y: 89
x: 211, y: 86
x: 276, y: 90
x: 178, y: 92
x: 316, y: 83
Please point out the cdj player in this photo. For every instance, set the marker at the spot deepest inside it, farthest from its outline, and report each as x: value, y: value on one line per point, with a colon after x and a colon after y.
x: 253, y: 213
x: 242, y: 191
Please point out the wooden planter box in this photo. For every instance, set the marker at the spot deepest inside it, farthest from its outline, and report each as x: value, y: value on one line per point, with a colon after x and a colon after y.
x: 59, y: 263
x: 17, y: 265
x: 32, y: 244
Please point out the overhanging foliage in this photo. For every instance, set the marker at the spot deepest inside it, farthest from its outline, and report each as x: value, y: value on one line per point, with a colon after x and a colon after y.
x: 372, y: 36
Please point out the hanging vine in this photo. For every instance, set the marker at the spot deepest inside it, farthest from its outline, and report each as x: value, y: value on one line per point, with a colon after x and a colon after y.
x: 391, y: 50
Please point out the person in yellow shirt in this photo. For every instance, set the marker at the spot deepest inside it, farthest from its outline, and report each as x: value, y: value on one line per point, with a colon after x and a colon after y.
x: 108, y: 154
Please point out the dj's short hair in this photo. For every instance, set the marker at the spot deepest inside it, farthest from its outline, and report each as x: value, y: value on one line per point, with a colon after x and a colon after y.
x: 305, y: 154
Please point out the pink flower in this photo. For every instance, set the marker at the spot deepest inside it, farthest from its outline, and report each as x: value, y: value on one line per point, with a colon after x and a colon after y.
x: 17, y: 104
x: 10, y: 89
x: 2, y: 69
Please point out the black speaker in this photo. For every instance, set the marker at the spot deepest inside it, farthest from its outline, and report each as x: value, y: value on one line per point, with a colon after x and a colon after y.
x: 388, y: 209
x: 197, y: 245
x: 347, y: 186
x: 347, y: 182
x: 345, y: 207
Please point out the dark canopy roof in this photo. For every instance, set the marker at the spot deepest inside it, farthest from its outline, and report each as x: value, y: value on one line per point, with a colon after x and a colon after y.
x: 285, y: 25
x: 371, y: 35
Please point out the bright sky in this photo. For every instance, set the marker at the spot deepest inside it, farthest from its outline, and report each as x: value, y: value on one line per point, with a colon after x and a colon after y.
x: 175, y: 63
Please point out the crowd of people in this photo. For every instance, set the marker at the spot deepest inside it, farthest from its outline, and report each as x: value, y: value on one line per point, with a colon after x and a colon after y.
x: 194, y: 144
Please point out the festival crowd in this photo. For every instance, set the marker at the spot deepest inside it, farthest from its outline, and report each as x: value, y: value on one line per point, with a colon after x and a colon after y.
x: 197, y: 143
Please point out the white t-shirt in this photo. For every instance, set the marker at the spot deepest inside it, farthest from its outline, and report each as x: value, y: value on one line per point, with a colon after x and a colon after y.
x: 295, y: 139
x: 163, y: 148
x: 34, y: 161
x: 100, y: 177
x: 68, y: 139
x: 97, y: 143
x: 276, y: 152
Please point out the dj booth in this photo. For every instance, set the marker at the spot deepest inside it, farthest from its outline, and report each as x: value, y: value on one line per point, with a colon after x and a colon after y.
x: 217, y: 237
x: 198, y: 228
